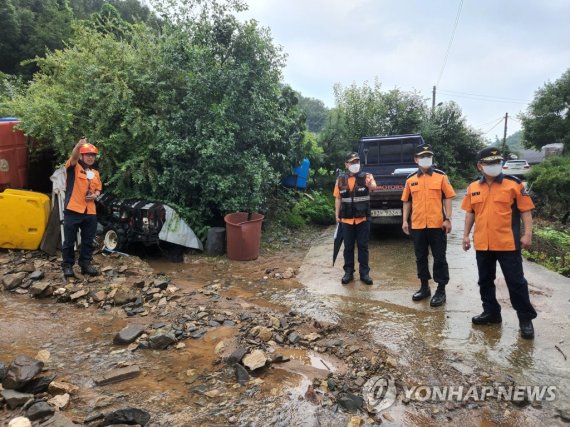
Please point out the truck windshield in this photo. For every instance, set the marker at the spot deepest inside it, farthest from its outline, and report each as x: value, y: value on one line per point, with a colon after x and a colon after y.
x: 385, y: 152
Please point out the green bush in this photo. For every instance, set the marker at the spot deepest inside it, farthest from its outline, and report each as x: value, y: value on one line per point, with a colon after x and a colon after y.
x: 549, y: 183
x: 551, y: 248
x: 317, y: 208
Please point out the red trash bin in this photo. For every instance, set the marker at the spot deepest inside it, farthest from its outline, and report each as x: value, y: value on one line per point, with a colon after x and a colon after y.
x: 243, y: 235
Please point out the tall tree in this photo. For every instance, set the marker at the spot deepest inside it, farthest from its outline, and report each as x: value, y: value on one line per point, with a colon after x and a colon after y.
x: 454, y: 142
x: 367, y: 110
x: 195, y: 115
x: 315, y: 111
x: 547, y: 119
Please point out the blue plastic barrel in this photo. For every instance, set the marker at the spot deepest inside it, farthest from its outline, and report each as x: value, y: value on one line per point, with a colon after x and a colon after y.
x: 299, y: 177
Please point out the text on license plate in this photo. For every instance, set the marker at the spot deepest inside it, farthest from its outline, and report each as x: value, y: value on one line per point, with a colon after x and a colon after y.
x: 386, y: 212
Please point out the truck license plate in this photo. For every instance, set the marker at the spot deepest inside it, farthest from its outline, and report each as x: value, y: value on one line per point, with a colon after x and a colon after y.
x: 386, y: 212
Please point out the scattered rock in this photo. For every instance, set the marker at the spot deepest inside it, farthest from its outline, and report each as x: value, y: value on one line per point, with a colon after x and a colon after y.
x: 355, y: 422
x: 60, y: 401
x: 294, y: 337
x: 79, y: 294
x: 15, y: 399
x: 237, y: 355
x: 129, y: 334
x: 22, y: 370
x: 126, y: 416
x: 59, y: 387
x: 242, y: 375
x: 350, y: 402
x: 117, y: 375
x: 254, y: 360
x: 39, y: 410
x: 162, y: 340
x: 36, y: 275
x: 38, y: 385
x: 12, y: 281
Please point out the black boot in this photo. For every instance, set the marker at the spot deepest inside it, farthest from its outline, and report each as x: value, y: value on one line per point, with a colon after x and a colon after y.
x: 527, y: 330
x: 347, y: 278
x: 439, y: 296
x: 423, y: 292
x: 89, y: 269
x: 68, y: 271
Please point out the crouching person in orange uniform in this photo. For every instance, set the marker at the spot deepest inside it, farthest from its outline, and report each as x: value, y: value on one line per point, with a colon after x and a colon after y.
x: 496, y: 204
x: 82, y: 187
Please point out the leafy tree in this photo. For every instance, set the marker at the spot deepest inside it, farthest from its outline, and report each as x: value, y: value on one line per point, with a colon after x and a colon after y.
x: 34, y: 27
x: 547, y: 119
x: 455, y: 144
x: 194, y: 115
x: 315, y: 111
x: 369, y: 111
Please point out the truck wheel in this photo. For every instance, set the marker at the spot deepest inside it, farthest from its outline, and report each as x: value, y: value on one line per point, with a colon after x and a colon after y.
x: 114, y: 239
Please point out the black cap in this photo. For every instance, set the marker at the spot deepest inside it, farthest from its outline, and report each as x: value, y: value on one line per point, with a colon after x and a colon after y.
x: 489, y: 154
x: 351, y: 157
x: 424, y: 149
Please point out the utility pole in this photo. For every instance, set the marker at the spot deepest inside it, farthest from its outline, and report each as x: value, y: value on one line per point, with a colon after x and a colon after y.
x: 505, y: 150
x: 433, y: 101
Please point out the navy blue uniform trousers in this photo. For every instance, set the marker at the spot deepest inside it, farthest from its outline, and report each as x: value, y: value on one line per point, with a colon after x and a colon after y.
x: 73, y: 221
x: 511, y: 265
x: 358, y: 234
x: 436, y: 239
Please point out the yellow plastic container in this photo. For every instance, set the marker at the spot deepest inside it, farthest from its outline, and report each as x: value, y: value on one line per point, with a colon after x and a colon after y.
x: 23, y: 218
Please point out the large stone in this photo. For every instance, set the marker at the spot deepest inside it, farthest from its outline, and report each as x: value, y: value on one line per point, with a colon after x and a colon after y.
x: 60, y: 401
x: 236, y: 355
x: 117, y: 375
x: 21, y: 371
x: 126, y: 416
x: 39, y: 410
x: 162, y: 340
x: 129, y: 334
x: 79, y: 294
x: 254, y: 360
x: 351, y: 402
x: 36, y: 275
x: 261, y: 332
x: 123, y: 297
x: 41, y: 289
x: 12, y: 281
x: 14, y: 398
x: 38, y: 385
x: 59, y: 387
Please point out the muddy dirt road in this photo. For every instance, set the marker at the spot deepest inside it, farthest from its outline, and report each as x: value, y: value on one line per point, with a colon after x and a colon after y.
x: 350, y: 337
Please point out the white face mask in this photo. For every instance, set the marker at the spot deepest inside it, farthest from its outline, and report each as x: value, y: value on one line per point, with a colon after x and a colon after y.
x: 425, y: 162
x: 90, y: 174
x: 354, y: 168
x: 492, y: 170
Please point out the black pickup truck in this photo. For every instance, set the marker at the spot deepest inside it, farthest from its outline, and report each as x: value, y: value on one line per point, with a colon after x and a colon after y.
x: 390, y: 159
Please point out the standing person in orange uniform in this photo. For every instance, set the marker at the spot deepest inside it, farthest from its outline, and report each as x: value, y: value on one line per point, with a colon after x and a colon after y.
x: 496, y: 203
x: 352, y: 208
x: 82, y: 187
x: 428, y: 195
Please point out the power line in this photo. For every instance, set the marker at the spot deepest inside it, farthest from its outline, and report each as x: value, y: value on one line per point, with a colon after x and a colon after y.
x: 450, y: 41
x: 495, y: 125
x: 490, y: 98
x: 491, y: 121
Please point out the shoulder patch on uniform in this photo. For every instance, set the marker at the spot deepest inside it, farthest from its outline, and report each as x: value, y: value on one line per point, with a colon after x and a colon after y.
x: 439, y: 171
x: 412, y: 174
x: 513, y: 178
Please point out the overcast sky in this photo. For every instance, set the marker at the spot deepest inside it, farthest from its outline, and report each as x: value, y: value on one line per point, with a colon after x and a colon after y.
x: 502, y: 50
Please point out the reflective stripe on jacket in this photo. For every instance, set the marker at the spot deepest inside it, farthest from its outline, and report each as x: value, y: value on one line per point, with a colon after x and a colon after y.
x: 355, y: 203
